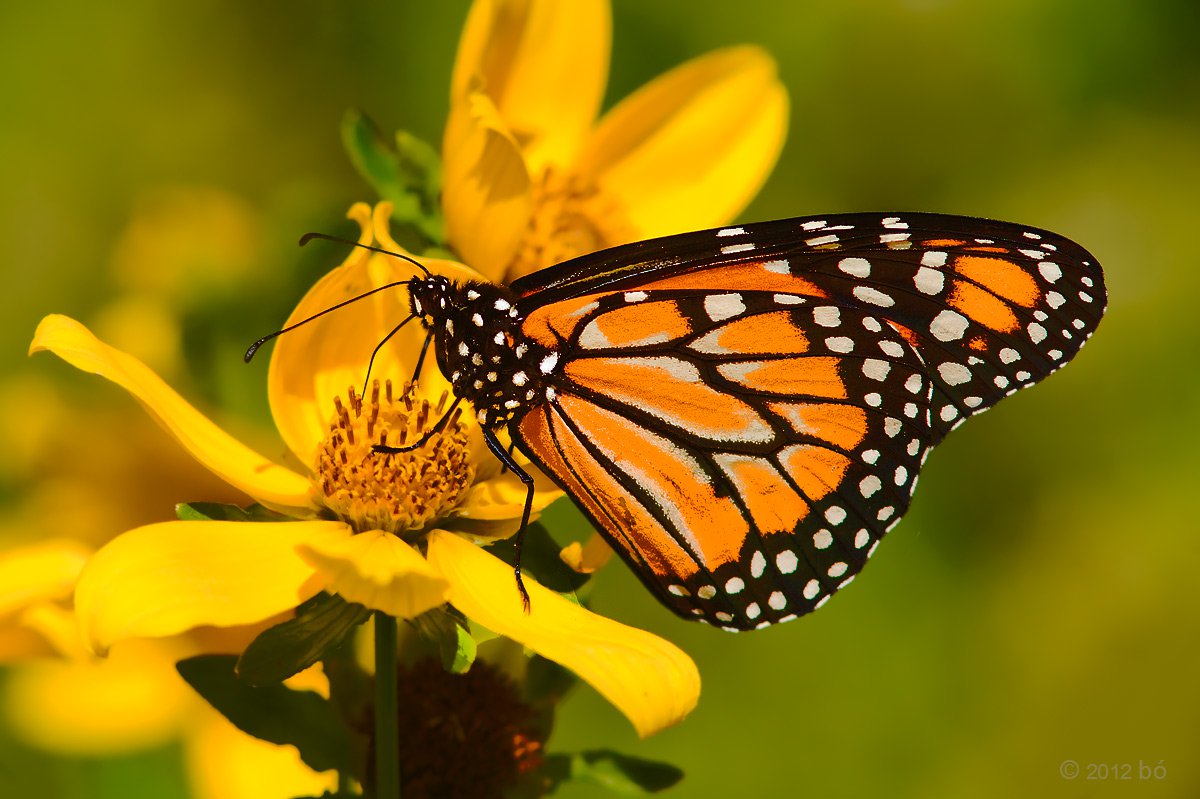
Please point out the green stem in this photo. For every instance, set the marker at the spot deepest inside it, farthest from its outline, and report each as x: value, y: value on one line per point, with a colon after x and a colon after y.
x: 387, y: 724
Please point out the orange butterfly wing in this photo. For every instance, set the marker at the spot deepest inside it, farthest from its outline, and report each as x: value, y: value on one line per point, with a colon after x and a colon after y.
x: 744, y: 412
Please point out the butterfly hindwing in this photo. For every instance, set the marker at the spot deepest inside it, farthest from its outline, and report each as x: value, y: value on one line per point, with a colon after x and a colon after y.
x: 744, y: 412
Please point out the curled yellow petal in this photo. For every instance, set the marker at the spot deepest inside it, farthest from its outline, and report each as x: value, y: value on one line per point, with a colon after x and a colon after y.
x: 313, y: 364
x: 39, y: 572
x: 378, y: 570
x: 544, y: 63
x: 237, y: 464
x: 166, y: 578
x: 487, y: 193
x: 588, y: 557
x: 650, y: 680
x: 690, y: 149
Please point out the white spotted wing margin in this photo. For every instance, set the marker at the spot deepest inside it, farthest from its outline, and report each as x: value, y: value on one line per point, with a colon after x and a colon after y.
x: 743, y: 412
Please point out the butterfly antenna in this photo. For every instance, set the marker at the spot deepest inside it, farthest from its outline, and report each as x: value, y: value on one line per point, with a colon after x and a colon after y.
x: 379, y: 346
x: 307, y: 237
x: 254, y: 347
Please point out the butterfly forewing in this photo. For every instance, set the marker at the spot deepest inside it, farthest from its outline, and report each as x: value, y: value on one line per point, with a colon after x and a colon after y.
x: 744, y: 411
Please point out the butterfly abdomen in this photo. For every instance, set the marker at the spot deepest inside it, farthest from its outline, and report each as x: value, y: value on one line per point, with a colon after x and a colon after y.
x: 480, y: 347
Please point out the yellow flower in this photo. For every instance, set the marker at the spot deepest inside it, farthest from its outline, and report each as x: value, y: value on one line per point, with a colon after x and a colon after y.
x: 532, y: 178
x: 354, y: 510
x: 59, y: 698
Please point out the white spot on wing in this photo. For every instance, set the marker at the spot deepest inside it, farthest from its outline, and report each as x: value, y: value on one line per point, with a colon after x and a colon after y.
x: 723, y: 306
x: 857, y: 267
x: 1050, y: 271
x: 873, y: 296
x: 827, y: 316
x: 876, y: 369
x: 955, y: 374
x: 786, y: 561
x: 841, y: 344
x: 948, y: 326
x: 929, y: 281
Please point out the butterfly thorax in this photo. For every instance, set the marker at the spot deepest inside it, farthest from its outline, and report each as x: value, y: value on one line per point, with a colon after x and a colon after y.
x: 480, y: 347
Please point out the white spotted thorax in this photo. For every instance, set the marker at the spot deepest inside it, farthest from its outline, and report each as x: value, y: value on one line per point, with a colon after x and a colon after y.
x: 480, y: 347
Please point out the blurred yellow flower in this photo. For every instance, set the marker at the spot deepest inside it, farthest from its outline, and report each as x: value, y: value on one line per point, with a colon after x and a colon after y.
x: 532, y: 178
x: 61, y: 699
x: 163, y: 579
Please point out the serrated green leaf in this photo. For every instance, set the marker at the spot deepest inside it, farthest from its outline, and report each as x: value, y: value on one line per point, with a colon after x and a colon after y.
x: 273, y: 713
x: 540, y: 557
x: 321, y: 625
x: 218, y: 512
x: 620, y: 773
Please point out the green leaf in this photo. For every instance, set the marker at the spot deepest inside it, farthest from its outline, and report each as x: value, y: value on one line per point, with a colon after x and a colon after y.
x: 273, y: 713
x: 371, y: 154
x: 455, y: 644
x: 217, y: 512
x: 459, y: 658
x: 623, y: 774
x: 406, y: 173
x: 321, y: 625
x: 541, y: 559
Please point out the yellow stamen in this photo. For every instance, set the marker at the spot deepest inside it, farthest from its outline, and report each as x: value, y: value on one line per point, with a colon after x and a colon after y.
x: 396, y: 493
x: 571, y: 216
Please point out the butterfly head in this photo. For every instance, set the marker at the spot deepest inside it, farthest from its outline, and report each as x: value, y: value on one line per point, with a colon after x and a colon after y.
x: 480, y: 347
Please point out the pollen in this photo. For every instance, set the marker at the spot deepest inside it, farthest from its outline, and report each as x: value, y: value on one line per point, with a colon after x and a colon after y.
x: 399, y: 492
x: 571, y: 217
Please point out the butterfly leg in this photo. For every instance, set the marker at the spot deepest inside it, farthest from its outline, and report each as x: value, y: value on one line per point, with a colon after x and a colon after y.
x: 385, y: 449
x: 506, y: 459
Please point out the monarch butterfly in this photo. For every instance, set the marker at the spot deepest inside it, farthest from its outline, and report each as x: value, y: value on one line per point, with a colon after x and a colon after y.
x: 742, y: 412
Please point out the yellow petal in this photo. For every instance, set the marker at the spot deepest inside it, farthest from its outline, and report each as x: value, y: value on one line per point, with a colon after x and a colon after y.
x: 588, y: 557
x: 503, y: 496
x: 130, y: 701
x: 18, y: 643
x: 226, y: 457
x: 225, y: 763
x: 162, y: 579
x: 486, y: 189
x: 378, y: 570
x: 544, y: 63
x: 648, y: 679
x: 39, y: 572
x: 57, y: 626
x: 692, y: 147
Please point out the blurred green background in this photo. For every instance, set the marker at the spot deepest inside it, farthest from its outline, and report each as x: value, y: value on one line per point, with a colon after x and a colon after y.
x: 1039, y: 604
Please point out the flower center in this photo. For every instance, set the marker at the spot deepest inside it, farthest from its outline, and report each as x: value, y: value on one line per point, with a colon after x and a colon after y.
x: 571, y: 216
x: 396, y: 493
